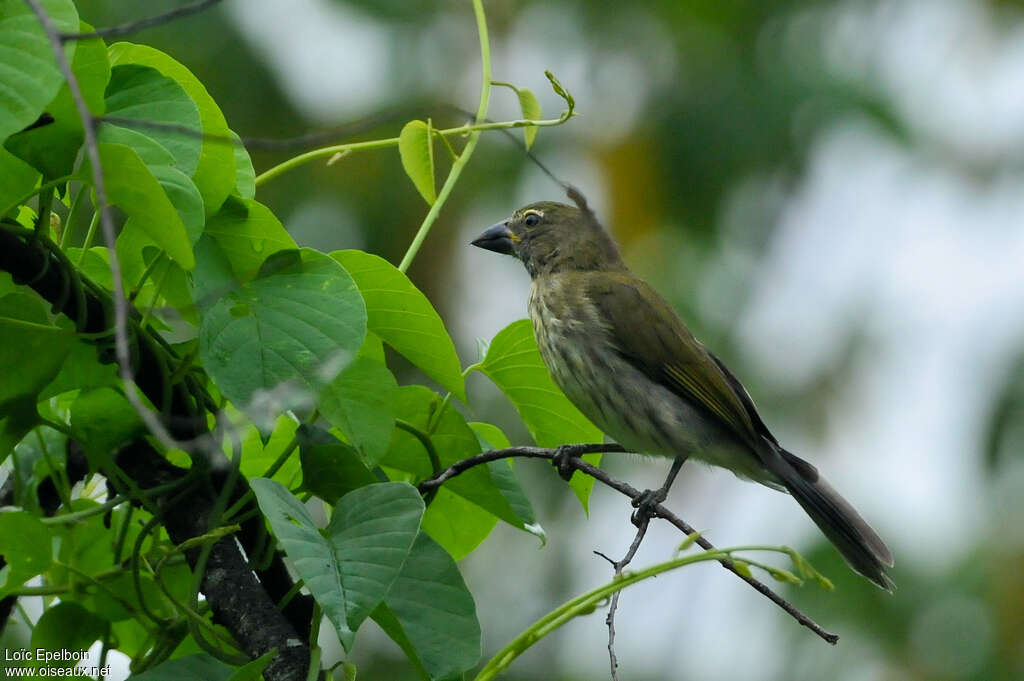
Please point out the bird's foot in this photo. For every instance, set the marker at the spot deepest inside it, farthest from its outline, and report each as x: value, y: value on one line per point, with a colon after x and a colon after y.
x: 563, y: 460
x: 646, y: 504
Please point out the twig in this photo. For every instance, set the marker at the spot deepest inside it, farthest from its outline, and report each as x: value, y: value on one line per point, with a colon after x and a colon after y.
x: 130, y: 27
x: 523, y: 452
x: 642, y: 520
x: 628, y: 490
x: 614, y: 606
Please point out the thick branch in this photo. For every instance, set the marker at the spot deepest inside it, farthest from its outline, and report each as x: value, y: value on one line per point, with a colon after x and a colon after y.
x: 237, y: 598
x: 658, y: 510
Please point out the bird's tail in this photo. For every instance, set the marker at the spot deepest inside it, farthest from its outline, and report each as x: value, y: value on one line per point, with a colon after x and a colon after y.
x: 861, y: 546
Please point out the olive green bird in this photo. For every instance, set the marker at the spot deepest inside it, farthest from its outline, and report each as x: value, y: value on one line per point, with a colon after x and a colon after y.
x: 626, y: 360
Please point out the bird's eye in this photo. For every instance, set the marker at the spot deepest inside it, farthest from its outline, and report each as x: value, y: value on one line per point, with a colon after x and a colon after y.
x: 531, y: 219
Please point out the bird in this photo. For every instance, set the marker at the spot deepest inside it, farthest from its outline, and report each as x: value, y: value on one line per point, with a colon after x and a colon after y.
x: 626, y: 360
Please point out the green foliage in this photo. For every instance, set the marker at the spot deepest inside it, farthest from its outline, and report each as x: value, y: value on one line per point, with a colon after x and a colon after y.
x: 350, y: 567
x: 27, y: 61
x: 278, y: 349
x: 297, y: 324
x: 132, y: 187
x: 402, y: 317
x: 25, y: 545
x: 514, y: 363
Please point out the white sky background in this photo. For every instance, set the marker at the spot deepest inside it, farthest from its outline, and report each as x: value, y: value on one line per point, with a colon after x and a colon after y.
x: 935, y: 258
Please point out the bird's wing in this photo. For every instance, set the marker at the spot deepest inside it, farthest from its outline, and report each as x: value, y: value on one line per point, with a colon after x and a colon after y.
x: 746, y: 399
x: 650, y: 335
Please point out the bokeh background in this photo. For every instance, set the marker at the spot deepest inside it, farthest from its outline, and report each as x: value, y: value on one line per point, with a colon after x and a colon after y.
x: 830, y: 192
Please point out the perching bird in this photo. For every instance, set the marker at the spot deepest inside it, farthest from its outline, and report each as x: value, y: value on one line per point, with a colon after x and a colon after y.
x: 626, y: 360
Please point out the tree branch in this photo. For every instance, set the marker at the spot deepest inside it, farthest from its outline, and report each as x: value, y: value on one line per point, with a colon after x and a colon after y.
x: 642, y: 519
x: 657, y: 510
x: 130, y: 27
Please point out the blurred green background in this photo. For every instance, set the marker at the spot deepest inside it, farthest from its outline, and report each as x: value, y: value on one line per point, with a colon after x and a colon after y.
x: 829, y: 192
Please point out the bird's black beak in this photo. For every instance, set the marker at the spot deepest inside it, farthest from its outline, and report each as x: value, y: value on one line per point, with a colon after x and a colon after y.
x: 497, y: 238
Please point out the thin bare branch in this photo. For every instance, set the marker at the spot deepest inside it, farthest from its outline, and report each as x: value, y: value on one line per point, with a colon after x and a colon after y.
x: 130, y: 27
x: 642, y: 519
x: 657, y: 510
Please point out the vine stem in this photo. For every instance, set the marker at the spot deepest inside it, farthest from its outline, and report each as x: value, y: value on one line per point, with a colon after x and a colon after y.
x: 349, y: 147
x: 585, y: 604
x: 467, y: 151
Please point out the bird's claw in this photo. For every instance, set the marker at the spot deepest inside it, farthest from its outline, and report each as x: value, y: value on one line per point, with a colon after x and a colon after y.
x: 563, y: 461
x: 645, y: 504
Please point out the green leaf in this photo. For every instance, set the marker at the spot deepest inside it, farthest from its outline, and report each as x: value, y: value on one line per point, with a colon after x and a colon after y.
x: 245, y: 174
x: 350, y: 567
x: 330, y: 468
x: 199, y: 667
x: 142, y: 93
x: 185, y: 197
x: 133, y: 241
x: 531, y: 112
x: 133, y: 188
x: 28, y: 68
x: 53, y: 148
x: 17, y: 179
x: 258, y: 456
x: 103, y: 420
x: 458, y: 525
x: 66, y: 626
x: 167, y: 285
x: 390, y: 625
x: 490, y: 437
x: 359, y: 402
x: 31, y: 464
x: 436, y: 611
x: 417, y: 152
x: 85, y: 545
x: 453, y: 441
x: 149, y: 150
x: 18, y: 419
x: 293, y: 328
x: 253, y: 670
x: 34, y: 349
x: 403, y: 317
x: 514, y: 363
x: 25, y: 545
x: 248, y: 233
x: 215, y: 173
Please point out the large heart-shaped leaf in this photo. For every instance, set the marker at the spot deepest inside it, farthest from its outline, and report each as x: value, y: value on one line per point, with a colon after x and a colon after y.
x: 432, y: 612
x: 351, y: 565
x: 293, y: 328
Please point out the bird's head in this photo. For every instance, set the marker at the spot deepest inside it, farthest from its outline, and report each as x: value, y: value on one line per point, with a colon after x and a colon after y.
x: 551, y: 237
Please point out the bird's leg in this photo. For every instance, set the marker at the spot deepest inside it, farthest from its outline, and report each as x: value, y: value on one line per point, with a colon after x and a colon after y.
x: 647, y: 500
x: 562, y: 460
